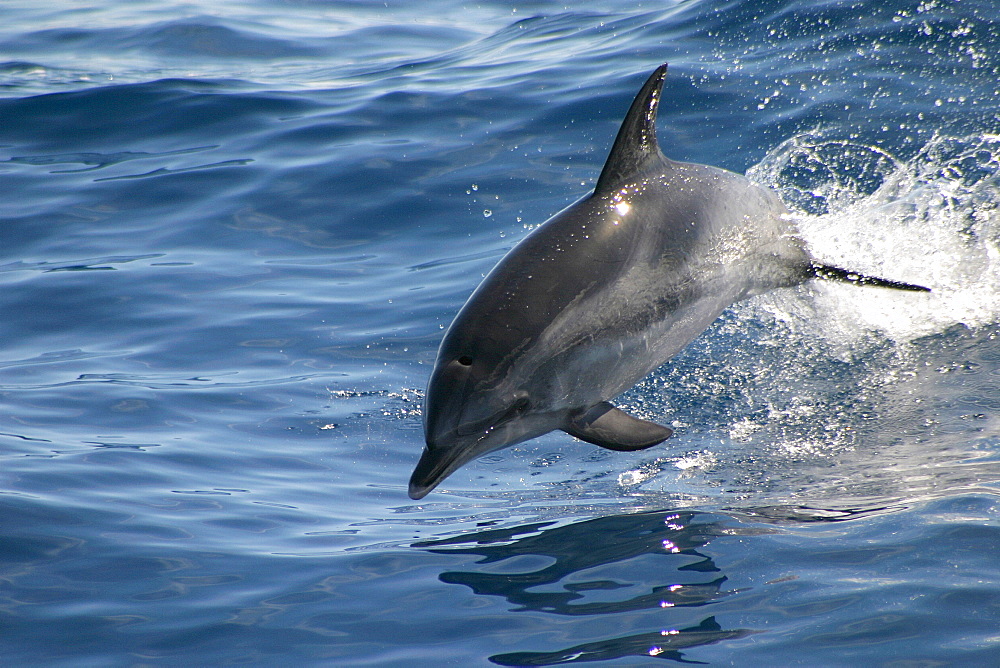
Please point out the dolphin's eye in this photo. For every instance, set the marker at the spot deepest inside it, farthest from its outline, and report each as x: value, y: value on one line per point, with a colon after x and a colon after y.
x: 520, y: 405
x: 465, y: 360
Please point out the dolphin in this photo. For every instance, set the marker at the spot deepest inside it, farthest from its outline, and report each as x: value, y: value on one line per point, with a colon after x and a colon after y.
x: 601, y: 294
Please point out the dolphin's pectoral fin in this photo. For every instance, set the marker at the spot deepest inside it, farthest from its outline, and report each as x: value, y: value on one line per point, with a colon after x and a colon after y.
x: 825, y: 271
x: 604, y: 425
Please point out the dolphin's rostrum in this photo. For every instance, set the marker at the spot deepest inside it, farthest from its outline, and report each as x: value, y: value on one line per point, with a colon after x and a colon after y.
x: 600, y: 295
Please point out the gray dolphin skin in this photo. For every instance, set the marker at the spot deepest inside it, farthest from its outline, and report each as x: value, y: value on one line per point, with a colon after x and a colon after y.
x: 601, y: 294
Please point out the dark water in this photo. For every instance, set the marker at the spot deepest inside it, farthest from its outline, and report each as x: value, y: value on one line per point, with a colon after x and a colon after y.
x: 233, y: 232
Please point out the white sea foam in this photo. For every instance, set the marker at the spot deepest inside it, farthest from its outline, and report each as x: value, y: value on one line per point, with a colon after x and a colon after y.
x: 932, y: 219
x: 831, y: 392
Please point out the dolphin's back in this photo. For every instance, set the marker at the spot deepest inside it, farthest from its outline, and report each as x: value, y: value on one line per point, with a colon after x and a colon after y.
x: 624, y: 279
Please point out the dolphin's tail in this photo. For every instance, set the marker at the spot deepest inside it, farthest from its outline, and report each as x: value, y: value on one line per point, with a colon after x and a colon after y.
x: 827, y: 272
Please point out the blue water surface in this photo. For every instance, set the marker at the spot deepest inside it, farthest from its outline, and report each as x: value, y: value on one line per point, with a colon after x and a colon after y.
x: 233, y: 233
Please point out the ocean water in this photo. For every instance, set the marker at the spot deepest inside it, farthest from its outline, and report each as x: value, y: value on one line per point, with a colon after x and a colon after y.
x: 232, y: 234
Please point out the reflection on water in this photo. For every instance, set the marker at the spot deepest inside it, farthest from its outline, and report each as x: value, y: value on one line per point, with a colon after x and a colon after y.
x: 664, y: 644
x: 577, y: 569
x: 586, y: 547
x: 645, y: 572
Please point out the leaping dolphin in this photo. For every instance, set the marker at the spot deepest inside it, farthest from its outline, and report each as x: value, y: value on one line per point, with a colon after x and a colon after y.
x: 601, y: 294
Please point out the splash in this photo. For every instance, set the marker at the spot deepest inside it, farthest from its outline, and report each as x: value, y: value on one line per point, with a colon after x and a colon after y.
x: 931, y: 219
x: 843, y: 395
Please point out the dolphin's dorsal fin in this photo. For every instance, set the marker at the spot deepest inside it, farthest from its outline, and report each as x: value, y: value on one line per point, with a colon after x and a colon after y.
x: 636, y: 140
x: 604, y: 425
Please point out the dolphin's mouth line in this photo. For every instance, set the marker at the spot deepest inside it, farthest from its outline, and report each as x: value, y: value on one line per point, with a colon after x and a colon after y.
x: 498, y: 419
x: 443, y: 467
